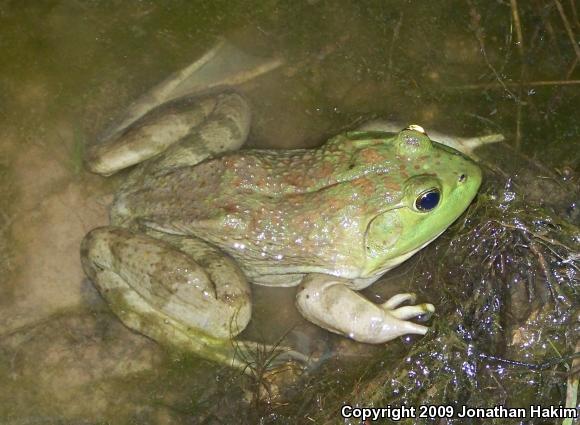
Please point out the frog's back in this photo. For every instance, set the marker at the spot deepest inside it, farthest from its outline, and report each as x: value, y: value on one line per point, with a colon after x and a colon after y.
x: 251, y: 178
x: 297, y: 209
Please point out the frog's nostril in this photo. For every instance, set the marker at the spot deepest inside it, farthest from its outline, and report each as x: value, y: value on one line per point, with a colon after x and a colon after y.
x: 462, y: 178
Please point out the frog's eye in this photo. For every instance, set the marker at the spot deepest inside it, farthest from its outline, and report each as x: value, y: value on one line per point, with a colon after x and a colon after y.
x: 428, y: 200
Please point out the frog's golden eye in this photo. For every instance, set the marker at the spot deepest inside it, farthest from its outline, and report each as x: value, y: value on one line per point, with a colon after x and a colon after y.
x: 428, y: 200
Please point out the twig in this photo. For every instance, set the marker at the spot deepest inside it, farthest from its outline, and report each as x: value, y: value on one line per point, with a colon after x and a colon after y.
x: 478, y: 31
x: 572, y: 384
x: 544, y: 12
x: 574, y: 13
x: 520, y: 46
x: 537, y: 236
x: 396, y: 32
x: 568, y: 28
x: 555, y: 290
x: 516, y: 18
x: 515, y: 84
x: 572, y: 68
x: 519, y: 119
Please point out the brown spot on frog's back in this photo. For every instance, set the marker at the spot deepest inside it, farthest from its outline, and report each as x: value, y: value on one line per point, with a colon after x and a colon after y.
x: 366, y: 186
x: 261, y: 182
x: 324, y: 171
x: 403, y: 170
x: 391, y: 185
x: 371, y: 156
x: 229, y: 163
x: 298, y: 178
x: 334, y: 204
x: 231, y: 208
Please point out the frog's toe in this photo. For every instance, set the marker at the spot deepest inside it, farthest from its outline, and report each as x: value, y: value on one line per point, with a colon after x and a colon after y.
x: 399, y: 299
x: 404, y: 327
x: 395, y: 321
x: 411, y: 311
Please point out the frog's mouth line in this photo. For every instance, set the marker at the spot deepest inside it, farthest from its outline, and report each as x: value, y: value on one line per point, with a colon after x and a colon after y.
x: 413, y: 251
x: 401, y: 258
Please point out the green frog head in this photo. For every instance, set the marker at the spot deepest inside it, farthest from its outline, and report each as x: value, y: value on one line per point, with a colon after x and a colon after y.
x: 437, y: 184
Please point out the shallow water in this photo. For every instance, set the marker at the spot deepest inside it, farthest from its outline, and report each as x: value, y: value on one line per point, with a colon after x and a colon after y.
x: 69, y: 69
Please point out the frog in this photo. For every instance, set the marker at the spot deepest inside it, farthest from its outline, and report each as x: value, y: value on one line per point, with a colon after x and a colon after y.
x: 199, y: 219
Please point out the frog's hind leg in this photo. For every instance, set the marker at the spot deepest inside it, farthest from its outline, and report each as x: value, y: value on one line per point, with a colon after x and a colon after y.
x: 226, y: 129
x: 218, y: 264
x: 224, y: 65
x: 178, y: 108
x: 193, y: 303
x: 186, y: 130
x: 179, y: 291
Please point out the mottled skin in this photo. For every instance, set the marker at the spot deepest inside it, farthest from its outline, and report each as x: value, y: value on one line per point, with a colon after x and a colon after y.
x: 282, y: 214
x: 191, y: 222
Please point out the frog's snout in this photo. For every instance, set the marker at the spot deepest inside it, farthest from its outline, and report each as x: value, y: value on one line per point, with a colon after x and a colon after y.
x: 468, y: 180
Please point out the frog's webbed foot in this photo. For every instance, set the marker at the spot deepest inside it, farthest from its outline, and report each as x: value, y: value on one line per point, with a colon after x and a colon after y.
x: 408, y: 311
x: 328, y: 302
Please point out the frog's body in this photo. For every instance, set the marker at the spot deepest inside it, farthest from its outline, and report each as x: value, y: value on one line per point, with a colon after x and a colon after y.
x: 282, y: 214
x: 332, y: 219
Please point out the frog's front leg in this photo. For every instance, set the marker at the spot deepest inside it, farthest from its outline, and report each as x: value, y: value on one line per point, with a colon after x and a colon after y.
x: 329, y: 303
x: 187, y: 296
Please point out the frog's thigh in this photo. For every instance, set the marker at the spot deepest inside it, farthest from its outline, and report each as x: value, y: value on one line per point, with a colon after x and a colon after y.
x: 226, y: 129
x: 191, y: 120
x: 163, y: 284
x: 328, y: 302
